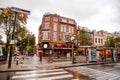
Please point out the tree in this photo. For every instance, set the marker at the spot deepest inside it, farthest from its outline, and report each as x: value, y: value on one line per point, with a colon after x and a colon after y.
x: 31, y: 41
x: 84, y: 38
x: 117, y: 42
x: 113, y: 42
x: 7, y: 20
x: 110, y: 42
x: 26, y: 41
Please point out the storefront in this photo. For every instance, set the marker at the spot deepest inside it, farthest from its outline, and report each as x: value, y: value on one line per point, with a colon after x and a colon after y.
x: 100, y: 55
x: 87, y: 53
x: 61, y: 51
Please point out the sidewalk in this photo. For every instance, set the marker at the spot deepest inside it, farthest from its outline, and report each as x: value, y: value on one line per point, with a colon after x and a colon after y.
x: 33, y: 63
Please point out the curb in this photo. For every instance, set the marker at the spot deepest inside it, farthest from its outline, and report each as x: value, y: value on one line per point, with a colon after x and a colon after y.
x: 17, y: 70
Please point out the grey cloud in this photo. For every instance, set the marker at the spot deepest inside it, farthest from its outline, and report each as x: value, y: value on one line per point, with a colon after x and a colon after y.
x: 83, y: 11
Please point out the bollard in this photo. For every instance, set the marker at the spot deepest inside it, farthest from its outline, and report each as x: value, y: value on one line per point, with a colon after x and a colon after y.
x: 17, y: 61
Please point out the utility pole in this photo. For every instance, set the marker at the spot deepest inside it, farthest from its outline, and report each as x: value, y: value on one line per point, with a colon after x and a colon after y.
x: 12, y: 42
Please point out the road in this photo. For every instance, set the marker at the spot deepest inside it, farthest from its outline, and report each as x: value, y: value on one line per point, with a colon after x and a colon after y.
x: 6, y: 75
x: 89, y: 72
x: 52, y: 74
x: 99, y: 72
x: 47, y: 71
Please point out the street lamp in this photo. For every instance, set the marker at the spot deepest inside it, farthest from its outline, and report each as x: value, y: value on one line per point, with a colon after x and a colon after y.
x: 45, y: 45
x: 72, y: 38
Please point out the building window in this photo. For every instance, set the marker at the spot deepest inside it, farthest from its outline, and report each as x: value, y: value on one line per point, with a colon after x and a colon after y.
x: 69, y: 29
x: 47, y: 25
x: 99, y: 40
x: 64, y: 28
x: 72, y: 29
x: 95, y: 40
x: 102, y: 41
x: 47, y: 18
x: 55, y: 27
x: 71, y: 21
x: 54, y: 36
x: 55, y: 19
x: 61, y: 28
x: 63, y: 20
x: 45, y: 35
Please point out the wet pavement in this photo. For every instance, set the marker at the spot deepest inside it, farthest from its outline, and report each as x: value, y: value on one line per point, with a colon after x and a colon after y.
x: 33, y: 64
x: 113, y: 68
x: 79, y: 71
x: 98, y: 72
x: 6, y: 75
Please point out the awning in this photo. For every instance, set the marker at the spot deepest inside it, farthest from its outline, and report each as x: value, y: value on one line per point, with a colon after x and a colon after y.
x: 40, y: 51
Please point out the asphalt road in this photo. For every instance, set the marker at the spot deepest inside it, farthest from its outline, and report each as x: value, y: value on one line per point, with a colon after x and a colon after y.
x: 6, y: 75
x: 99, y: 72
x: 113, y: 68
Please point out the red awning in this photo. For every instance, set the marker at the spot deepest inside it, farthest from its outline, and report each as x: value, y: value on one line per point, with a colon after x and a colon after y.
x: 40, y: 51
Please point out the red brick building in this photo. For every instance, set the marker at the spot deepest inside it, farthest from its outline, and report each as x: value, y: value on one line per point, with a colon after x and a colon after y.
x: 55, y: 32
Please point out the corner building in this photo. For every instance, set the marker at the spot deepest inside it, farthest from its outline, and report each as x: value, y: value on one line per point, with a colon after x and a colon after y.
x: 55, y: 32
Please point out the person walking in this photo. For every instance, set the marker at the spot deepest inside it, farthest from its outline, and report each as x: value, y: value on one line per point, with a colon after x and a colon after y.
x: 40, y: 57
x: 17, y: 59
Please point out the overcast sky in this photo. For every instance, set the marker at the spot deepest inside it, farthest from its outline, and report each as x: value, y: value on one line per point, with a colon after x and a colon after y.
x: 94, y: 14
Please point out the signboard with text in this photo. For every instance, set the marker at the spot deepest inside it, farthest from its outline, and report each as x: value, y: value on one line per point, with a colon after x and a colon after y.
x: 20, y: 10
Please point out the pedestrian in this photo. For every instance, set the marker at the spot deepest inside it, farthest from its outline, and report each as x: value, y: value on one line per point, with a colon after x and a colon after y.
x: 40, y: 57
x: 15, y: 55
x: 17, y: 59
x: 103, y: 58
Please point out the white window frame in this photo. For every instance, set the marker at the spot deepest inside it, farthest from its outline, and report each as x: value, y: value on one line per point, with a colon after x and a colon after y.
x: 45, y: 35
x: 61, y: 28
x: 47, y: 26
x: 72, y: 30
x: 47, y: 18
x: 55, y: 27
x: 65, y: 28
x: 55, y: 19
x: 69, y: 29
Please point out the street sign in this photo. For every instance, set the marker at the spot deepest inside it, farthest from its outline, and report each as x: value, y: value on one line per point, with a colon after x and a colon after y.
x: 20, y: 10
x: 12, y: 42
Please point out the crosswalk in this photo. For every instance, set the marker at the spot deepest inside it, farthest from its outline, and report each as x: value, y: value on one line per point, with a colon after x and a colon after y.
x: 55, y: 74
x: 95, y: 74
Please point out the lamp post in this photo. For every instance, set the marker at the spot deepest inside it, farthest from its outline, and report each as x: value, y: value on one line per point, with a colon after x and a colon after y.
x: 72, y: 38
x: 42, y: 54
x: 44, y: 47
x: 50, y: 55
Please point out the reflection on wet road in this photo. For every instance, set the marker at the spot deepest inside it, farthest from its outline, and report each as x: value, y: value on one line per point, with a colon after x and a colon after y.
x: 54, y: 74
x: 6, y: 75
x: 109, y: 68
x: 98, y: 72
